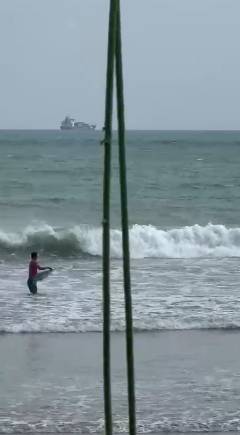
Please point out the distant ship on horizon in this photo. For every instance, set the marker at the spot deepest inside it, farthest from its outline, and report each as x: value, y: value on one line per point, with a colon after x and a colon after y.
x: 71, y: 124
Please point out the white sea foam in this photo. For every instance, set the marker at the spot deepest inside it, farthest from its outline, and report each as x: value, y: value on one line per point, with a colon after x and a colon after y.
x: 192, y: 293
x: 146, y: 241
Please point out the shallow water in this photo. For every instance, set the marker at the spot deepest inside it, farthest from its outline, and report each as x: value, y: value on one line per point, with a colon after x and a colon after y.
x: 185, y: 381
x: 167, y: 294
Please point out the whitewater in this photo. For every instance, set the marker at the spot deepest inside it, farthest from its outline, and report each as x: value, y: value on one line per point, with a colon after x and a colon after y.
x: 184, y: 278
x: 146, y: 241
x: 184, y: 231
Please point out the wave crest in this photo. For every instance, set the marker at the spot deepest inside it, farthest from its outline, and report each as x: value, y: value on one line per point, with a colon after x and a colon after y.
x: 146, y: 241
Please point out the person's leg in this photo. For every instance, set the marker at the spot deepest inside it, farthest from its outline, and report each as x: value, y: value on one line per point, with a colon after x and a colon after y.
x: 32, y: 286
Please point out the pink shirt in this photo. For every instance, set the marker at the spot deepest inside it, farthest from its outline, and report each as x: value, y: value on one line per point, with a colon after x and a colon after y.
x: 33, y: 268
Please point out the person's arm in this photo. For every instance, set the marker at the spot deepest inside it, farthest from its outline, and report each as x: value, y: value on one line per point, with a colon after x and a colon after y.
x: 43, y: 268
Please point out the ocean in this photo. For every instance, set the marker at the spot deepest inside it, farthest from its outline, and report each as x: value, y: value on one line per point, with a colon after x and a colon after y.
x: 184, y: 208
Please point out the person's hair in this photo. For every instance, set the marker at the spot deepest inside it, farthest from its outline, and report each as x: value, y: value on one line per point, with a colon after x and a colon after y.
x: 34, y: 255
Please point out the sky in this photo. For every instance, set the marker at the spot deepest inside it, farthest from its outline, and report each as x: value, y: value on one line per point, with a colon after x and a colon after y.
x: 181, y: 63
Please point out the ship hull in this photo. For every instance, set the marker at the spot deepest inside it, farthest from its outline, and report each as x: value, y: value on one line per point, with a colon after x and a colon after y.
x: 78, y: 128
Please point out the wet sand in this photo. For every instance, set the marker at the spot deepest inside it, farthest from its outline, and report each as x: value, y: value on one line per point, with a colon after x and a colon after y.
x: 186, y: 381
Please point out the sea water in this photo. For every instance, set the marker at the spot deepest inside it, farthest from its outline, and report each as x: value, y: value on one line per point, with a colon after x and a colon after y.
x: 184, y: 208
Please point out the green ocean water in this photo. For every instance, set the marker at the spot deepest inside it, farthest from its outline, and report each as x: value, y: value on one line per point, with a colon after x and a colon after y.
x: 175, y: 178
x: 184, y: 210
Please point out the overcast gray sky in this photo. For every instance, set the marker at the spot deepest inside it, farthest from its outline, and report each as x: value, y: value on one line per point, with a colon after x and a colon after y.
x: 181, y: 62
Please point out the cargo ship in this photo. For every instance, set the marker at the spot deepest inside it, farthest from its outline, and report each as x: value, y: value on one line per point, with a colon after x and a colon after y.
x: 71, y: 124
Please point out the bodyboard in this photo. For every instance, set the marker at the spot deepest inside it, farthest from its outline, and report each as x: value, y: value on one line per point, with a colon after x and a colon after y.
x: 42, y: 275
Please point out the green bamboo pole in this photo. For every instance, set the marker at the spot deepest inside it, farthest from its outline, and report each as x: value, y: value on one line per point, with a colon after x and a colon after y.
x: 125, y: 231
x: 106, y: 217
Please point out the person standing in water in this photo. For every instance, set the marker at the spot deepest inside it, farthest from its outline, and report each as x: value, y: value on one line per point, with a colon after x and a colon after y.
x: 33, y: 275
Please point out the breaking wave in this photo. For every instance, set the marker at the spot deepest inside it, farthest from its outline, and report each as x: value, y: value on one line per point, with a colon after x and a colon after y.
x: 146, y: 241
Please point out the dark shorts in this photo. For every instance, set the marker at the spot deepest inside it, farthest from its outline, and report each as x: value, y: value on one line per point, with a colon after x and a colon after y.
x: 32, y: 286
